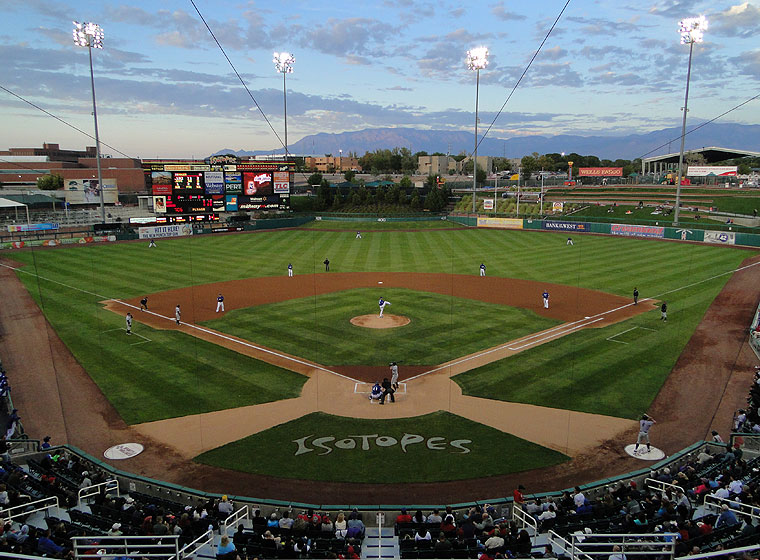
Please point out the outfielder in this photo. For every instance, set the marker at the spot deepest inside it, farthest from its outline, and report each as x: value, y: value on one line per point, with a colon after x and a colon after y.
x: 545, y: 295
x: 220, y: 303
x: 569, y: 241
x: 382, y: 303
x: 394, y: 375
x: 152, y: 243
x: 482, y: 269
x: 358, y: 235
x: 129, y: 323
x: 645, y: 424
x: 177, y: 314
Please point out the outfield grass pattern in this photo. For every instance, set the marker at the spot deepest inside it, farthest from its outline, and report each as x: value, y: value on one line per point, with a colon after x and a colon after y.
x: 313, y: 327
x: 176, y: 374
x: 491, y: 452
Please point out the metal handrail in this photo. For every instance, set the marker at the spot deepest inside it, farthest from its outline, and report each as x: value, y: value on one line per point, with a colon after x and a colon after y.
x: 527, y: 520
x: 729, y: 552
x: 128, y: 546
x: 23, y: 510
x: 207, y: 538
x: 733, y: 505
x: 661, y: 486
x: 93, y: 490
x: 232, y: 519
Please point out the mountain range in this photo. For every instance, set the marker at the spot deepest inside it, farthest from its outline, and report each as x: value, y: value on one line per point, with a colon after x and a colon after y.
x: 658, y: 142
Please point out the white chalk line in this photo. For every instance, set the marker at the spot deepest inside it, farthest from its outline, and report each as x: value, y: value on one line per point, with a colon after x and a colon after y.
x: 145, y: 338
x: 612, y: 338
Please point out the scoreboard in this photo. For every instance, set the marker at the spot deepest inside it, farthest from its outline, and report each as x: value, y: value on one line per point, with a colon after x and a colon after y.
x: 188, y: 181
x: 188, y: 204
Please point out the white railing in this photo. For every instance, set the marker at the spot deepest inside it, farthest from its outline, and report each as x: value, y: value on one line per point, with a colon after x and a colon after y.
x: 662, y: 486
x: 524, y: 519
x: 716, y: 502
x: 95, y: 489
x: 163, y: 548
x: 232, y: 519
x: 22, y: 446
x: 46, y: 504
x: 754, y: 332
x: 566, y: 546
x: 206, y: 539
x: 631, y: 544
x: 728, y: 553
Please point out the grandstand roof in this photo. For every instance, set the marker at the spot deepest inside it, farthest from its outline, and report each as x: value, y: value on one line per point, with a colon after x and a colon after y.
x: 712, y: 154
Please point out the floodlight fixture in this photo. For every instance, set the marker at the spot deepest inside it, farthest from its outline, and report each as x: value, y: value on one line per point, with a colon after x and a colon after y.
x: 477, y: 58
x: 284, y: 61
x: 692, y: 30
x: 88, y: 34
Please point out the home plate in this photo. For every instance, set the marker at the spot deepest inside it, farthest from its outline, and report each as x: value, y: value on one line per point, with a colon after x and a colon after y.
x: 652, y: 455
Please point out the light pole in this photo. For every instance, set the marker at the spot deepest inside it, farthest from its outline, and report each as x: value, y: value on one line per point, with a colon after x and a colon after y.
x: 477, y: 59
x: 283, y: 62
x: 692, y: 31
x: 90, y: 35
x: 542, y: 191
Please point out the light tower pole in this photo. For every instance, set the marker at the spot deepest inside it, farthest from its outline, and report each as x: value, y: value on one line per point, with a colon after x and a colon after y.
x: 91, y: 35
x: 283, y: 62
x: 692, y: 31
x: 477, y: 59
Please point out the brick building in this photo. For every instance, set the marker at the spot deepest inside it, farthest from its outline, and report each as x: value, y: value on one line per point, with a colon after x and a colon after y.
x: 23, y: 166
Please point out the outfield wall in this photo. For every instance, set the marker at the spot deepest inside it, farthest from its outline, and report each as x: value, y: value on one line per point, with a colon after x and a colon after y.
x: 683, y: 233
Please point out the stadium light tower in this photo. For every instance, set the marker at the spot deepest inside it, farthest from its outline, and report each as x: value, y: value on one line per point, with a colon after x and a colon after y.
x: 283, y: 62
x: 477, y: 59
x: 90, y: 35
x: 692, y: 31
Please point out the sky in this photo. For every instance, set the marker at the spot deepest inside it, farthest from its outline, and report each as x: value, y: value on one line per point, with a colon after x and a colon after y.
x: 165, y: 89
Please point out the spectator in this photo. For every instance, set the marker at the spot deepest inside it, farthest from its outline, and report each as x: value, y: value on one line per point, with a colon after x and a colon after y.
x: 518, y: 496
x: 726, y: 518
x: 403, y: 517
x: 115, y: 530
x: 494, y: 543
x: 45, y: 443
x: 226, y: 549
x: 341, y: 526
x: 578, y: 499
x: 616, y: 554
x: 442, y: 545
x: 434, y: 518
x: 422, y: 534
x: 418, y: 517
x: 225, y: 507
x: 286, y: 522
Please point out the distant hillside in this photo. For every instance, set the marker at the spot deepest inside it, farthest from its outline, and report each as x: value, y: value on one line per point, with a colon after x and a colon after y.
x: 737, y: 136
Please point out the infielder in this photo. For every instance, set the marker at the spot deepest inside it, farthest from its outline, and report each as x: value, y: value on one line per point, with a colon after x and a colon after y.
x: 220, y: 303
x: 177, y: 314
x: 635, y: 296
x: 382, y: 303
x: 129, y: 323
x: 545, y: 295
x: 394, y: 375
x: 645, y: 423
x: 358, y: 235
x: 482, y: 269
x: 664, y: 312
x: 144, y: 304
x: 290, y: 269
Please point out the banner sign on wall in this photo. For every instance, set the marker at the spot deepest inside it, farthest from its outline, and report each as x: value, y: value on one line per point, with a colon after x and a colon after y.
x: 717, y: 170
x: 565, y: 226
x: 488, y: 204
x: 558, y: 206
x: 722, y: 237
x: 31, y: 227
x: 600, y: 172
x: 214, y: 182
x: 281, y: 182
x: 165, y: 231
x: 86, y: 191
x: 504, y: 223
x: 637, y: 231
x: 159, y: 204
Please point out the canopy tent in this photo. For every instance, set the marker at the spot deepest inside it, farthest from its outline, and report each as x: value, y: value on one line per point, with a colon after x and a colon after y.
x: 7, y: 203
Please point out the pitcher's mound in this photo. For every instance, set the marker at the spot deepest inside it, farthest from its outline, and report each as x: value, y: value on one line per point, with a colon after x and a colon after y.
x: 375, y: 322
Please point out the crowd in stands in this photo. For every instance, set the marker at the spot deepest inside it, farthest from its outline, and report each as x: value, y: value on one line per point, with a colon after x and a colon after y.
x: 747, y: 420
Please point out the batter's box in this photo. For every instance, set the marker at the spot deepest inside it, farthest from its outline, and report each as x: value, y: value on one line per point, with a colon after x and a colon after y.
x: 629, y: 335
x: 362, y: 388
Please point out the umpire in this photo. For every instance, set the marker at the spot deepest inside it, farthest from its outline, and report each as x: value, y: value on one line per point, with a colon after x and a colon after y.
x: 387, y: 390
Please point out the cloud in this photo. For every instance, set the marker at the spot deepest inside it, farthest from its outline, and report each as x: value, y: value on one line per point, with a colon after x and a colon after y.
x: 675, y: 9
x: 748, y: 63
x: 741, y: 20
x: 500, y: 12
x: 601, y: 26
x: 554, y: 53
x: 352, y: 36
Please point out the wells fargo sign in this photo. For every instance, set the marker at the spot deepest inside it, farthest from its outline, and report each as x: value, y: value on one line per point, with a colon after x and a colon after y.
x: 600, y: 172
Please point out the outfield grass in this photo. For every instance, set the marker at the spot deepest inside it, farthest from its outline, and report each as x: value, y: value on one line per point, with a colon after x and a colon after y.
x: 370, y: 224
x: 141, y: 380
x: 273, y: 452
x: 313, y: 327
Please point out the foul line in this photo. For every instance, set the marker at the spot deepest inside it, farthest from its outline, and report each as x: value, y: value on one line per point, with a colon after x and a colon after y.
x: 612, y: 338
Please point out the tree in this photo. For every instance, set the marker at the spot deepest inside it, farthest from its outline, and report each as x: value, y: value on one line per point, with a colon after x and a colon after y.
x: 324, y: 196
x: 529, y: 164
x: 415, y: 202
x: 349, y: 175
x: 50, y: 182
x: 405, y: 182
x: 314, y: 179
x: 481, y: 176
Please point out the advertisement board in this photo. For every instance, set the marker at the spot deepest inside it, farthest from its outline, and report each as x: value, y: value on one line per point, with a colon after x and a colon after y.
x: 558, y: 207
x: 162, y: 182
x: 156, y: 232
x: 159, y: 204
x: 32, y: 227
x: 565, y: 226
x: 503, y: 223
x: 281, y: 182
x: 257, y: 184
x: 600, y: 172
x: 637, y: 231
x: 722, y: 237
x: 214, y: 182
x: 706, y: 170
x: 188, y: 181
x: 488, y: 204
x: 86, y: 191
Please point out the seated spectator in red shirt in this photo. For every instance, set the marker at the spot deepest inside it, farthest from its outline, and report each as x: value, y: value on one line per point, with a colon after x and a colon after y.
x: 404, y: 517
x: 518, y: 496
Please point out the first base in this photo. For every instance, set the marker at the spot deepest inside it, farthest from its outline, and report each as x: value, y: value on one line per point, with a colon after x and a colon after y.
x: 379, y: 282
x: 653, y: 454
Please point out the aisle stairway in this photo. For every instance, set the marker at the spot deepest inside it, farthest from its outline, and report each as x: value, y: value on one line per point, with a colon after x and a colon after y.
x: 380, y: 545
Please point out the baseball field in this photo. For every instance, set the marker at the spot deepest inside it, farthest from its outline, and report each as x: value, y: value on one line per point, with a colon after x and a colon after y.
x: 277, y: 385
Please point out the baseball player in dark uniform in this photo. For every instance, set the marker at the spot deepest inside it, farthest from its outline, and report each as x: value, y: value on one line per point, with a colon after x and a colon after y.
x: 635, y: 296
x: 220, y: 303
x: 387, y: 390
x: 482, y: 269
x: 326, y: 262
x: 545, y: 295
x: 664, y: 312
x: 382, y: 303
x: 144, y: 304
x: 290, y: 269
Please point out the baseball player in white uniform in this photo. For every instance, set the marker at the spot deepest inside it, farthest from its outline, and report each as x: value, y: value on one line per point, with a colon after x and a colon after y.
x: 645, y: 424
x: 219, y: 303
x: 358, y: 235
x: 177, y: 314
x: 129, y: 323
x: 545, y: 295
x: 382, y: 303
x: 394, y: 375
